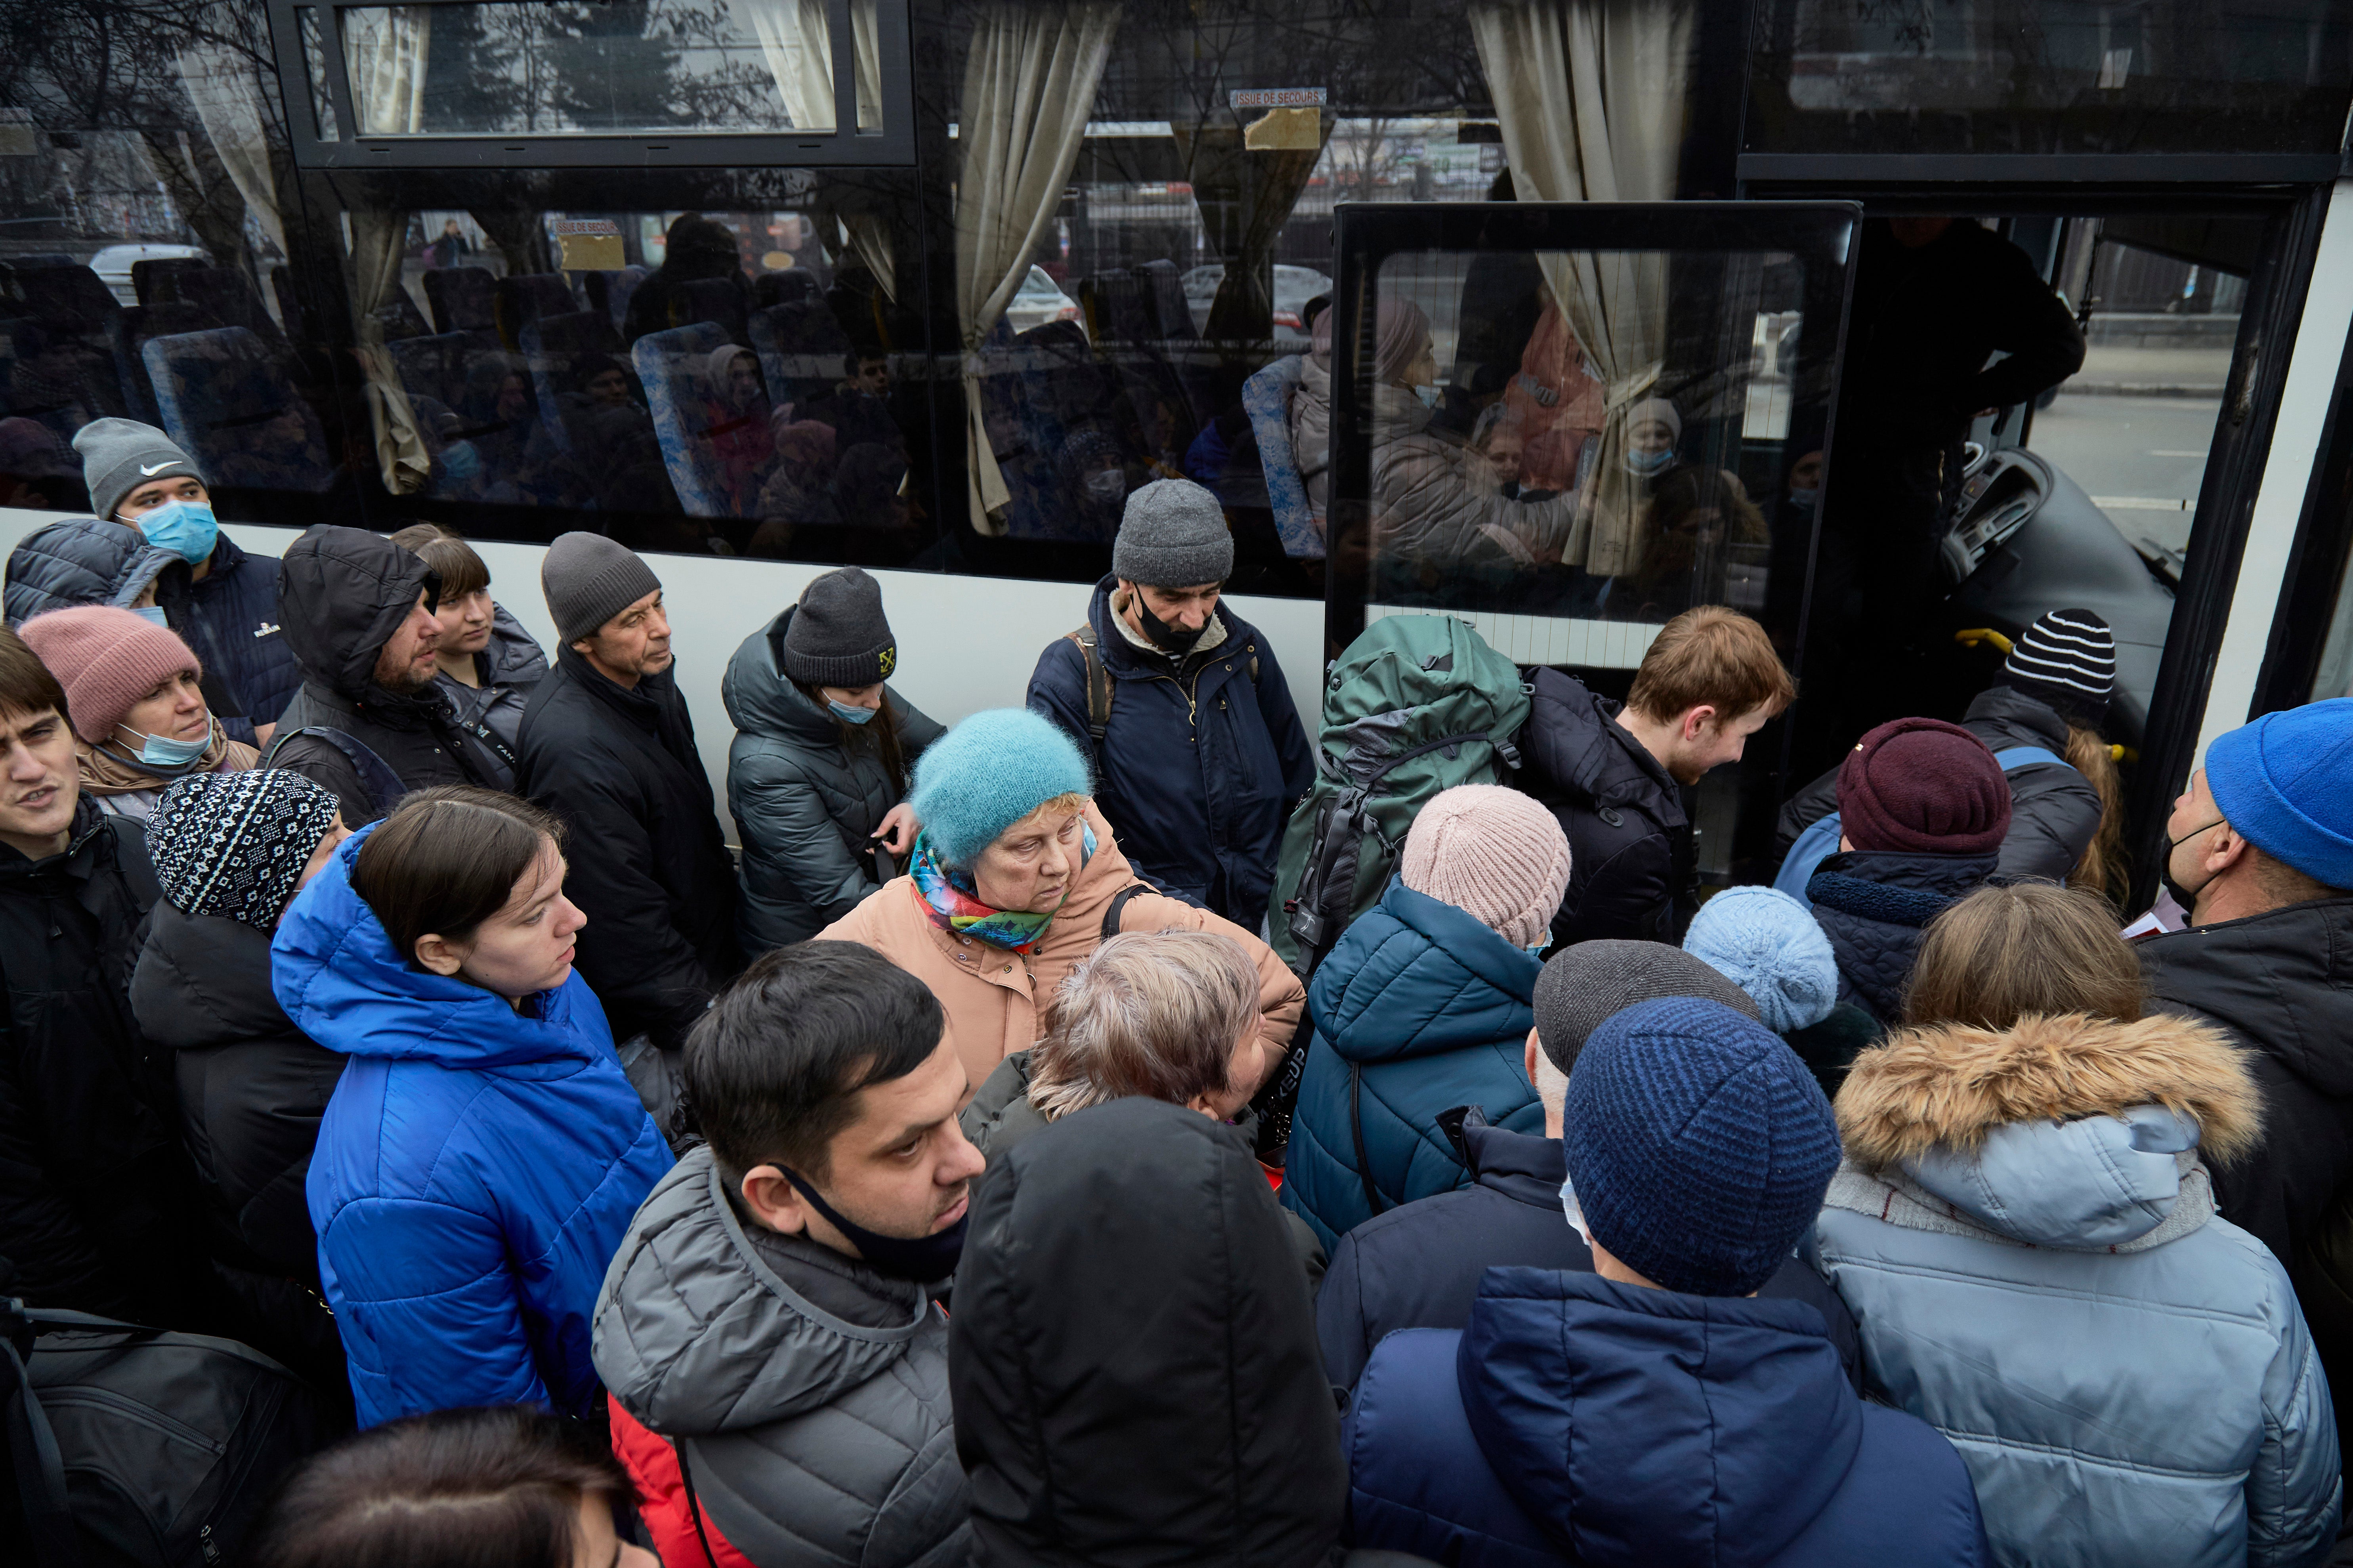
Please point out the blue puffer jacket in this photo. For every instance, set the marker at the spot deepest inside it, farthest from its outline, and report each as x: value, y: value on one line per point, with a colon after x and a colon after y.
x: 230, y: 618
x: 1430, y: 1010
x: 475, y: 1170
x: 1874, y: 906
x: 1201, y: 761
x: 1576, y: 1420
x: 2037, y: 1270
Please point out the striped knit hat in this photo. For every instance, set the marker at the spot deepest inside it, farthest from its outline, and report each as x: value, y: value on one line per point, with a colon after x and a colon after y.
x: 2068, y: 659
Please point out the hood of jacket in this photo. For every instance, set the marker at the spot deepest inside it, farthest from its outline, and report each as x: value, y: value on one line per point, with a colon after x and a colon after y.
x: 2062, y: 1131
x: 513, y: 654
x: 762, y: 698
x: 83, y: 560
x: 1747, y: 1425
x: 2284, y: 978
x: 1415, y: 977
x: 2003, y: 717
x: 1133, y: 1353
x: 696, y: 1333
x: 333, y: 969
x: 204, y: 981
x: 342, y: 592
x: 1574, y: 739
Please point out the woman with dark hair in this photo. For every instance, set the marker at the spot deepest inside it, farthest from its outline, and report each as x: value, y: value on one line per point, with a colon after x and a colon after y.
x: 483, y: 1152
x: 820, y: 761
x: 461, y: 1488
x: 488, y: 665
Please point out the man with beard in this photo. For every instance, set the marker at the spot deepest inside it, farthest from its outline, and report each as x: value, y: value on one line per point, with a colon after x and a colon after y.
x: 368, y: 723
x: 770, y: 1312
x: 1179, y: 704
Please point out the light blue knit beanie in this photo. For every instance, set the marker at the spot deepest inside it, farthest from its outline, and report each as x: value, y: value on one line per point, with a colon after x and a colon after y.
x: 988, y: 774
x: 1767, y: 944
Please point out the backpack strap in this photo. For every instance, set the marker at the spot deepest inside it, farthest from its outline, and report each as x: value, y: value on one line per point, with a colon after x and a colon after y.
x: 2012, y: 758
x: 1373, y: 1199
x: 1821, y: 838
x: 1117, y: 909
x: 39, y: 1467
x: 377, y: 776
x: 1099, y: 687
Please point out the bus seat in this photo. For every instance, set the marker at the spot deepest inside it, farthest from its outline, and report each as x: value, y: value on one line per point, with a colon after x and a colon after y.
x: 152, y: 281
x: 226, y: 400
x: 461, y: 299
x: 517, y: 301
x: 610, y: 292
x: 555, y: 348
x: 803, y: 351
x: 129, y: 330
x: 1266, y: 397
x: 668, y: 366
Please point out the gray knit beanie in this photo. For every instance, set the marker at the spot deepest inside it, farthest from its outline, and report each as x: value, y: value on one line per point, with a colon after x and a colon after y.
x: 1585, y: 986
x: 588, y: 580
x: 1173, y: 535
x: 838, y: 635
x: 117, y: 456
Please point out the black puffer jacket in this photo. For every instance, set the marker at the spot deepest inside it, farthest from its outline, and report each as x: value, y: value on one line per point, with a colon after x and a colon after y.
x: 2053, y: 810
x: 345, y: 592
x: 1874, y: 907
x: 650, y: 868
x: 82, y: 561
x: 804, y: 804
x: 510, y: 670
x: 95, y: 1209
x: 1633, y: 874
x: 252, y: 1087
x: 1132, y: 1354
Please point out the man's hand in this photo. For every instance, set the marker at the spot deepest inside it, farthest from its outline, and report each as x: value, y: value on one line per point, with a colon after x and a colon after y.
x: 898, y: 831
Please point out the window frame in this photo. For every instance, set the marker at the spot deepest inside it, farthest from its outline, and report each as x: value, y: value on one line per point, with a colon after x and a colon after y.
x: 891, y: 145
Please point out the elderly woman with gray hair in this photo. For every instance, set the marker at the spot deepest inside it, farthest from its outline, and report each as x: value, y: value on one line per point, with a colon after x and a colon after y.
x: 1438, y: 505
x: 1169, y: 1016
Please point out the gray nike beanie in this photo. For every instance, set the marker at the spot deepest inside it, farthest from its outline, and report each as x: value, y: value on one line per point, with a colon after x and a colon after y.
x: 1173, y: 535
x: 588, y: 580
x: 117, y: 456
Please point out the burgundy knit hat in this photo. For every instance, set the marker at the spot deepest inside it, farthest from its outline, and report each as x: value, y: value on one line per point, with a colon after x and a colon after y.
x: 1924, y: 787
x: 106, y: 660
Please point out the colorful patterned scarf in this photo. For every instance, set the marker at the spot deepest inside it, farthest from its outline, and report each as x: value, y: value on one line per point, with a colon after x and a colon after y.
x: 947, y: 896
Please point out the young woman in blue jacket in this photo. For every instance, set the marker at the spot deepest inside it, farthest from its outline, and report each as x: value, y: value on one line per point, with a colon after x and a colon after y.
x: 483, y: 1152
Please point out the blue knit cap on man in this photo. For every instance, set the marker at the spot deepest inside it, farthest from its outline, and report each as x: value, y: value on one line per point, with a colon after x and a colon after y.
x: 2285, y: 784
x: 1699, y: 1146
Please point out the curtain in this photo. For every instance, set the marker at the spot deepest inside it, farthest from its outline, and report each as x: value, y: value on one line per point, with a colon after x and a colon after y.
x: 1245, y: 194
x: 1027, y: 87
x: 797, y: 41
x: 1591, y: 94
x: 228, y: 105
x: 385, y: 52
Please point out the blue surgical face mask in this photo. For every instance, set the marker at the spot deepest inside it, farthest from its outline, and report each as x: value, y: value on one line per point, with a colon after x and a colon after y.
x: 1805, y: 497
x: 150, y: 613
x: 848, y: 715
x: 162, y: 751
x: 185, y: 528
x: 462, y: 460
x: 1428, y: 395
x: 1536, y: 947
x: 1649, y: 463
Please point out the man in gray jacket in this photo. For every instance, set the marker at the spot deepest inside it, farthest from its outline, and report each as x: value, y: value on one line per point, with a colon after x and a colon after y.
x: 769, y: 1313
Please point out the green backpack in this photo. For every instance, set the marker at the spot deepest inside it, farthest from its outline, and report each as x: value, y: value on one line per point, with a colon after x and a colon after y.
x: 1416, y: 705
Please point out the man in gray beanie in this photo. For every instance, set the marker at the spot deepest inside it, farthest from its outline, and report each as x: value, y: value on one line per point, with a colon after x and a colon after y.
x: 1418, y: 1266
x: 608, y: 745
x: 1198, y: 751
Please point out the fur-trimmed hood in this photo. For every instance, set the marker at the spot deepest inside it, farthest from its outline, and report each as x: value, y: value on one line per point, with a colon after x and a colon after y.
x: 2062, y: 1131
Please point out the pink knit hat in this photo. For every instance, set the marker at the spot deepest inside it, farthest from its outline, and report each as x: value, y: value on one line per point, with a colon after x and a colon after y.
x: 1493, y: 853
x: 106, y: 660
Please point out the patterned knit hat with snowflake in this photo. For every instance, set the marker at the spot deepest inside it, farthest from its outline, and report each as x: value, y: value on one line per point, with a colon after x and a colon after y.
x: 234, y: 843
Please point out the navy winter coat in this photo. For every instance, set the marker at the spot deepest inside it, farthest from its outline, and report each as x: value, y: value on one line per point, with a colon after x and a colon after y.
x: 1201, y: 761
x: 476, y: 1171
x: 1874, y: 906
x: 1576, y: 1420
x: 1428, y: 1009
x: 230, y: 618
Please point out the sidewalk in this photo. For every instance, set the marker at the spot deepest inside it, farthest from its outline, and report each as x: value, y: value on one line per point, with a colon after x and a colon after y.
x: 2123, y: 370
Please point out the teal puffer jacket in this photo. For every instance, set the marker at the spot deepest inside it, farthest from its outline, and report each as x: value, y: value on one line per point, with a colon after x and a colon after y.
x: 2028, y: 1241
x: 1418, y: 1010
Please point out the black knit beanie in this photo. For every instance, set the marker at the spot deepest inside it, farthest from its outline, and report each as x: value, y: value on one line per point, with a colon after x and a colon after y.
x: 838, y: 635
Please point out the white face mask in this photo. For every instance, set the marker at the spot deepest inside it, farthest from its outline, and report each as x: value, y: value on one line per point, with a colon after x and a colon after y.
x: 1107, y: 488
x: 1576, y: 1213
x: 1428, y: 395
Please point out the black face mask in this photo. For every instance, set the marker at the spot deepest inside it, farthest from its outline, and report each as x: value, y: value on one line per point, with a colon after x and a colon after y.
x: 2186, y: 897
x: 926, y: 1259
x: 1169, y: 639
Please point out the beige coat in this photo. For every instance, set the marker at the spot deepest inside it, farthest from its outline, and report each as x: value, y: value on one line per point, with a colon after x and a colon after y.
x: 993, y: 998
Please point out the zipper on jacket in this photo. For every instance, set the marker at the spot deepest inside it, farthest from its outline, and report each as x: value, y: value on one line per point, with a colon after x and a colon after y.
x: 106, y: 1399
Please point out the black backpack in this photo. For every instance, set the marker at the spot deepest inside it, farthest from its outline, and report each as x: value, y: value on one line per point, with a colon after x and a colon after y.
x: 132, y: 1445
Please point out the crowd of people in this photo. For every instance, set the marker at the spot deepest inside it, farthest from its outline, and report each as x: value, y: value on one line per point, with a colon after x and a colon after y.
x: 962, y: 1176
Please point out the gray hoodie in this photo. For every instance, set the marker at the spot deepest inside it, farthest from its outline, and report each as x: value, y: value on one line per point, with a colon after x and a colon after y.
x: 808, y: 1393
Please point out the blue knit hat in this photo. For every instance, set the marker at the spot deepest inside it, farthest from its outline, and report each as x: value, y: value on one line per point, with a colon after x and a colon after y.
x: 988, y: 774
x: 1698, y: 1144
x: 2284, y: 783
x: 1769, y: 944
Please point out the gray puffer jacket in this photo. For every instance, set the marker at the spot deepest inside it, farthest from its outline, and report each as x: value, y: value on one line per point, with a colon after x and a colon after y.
x: 1436, y: 503
x: 809, y: 1394
x: 510, y: 668
x: 2028, y: 1243
x: 804, y: 805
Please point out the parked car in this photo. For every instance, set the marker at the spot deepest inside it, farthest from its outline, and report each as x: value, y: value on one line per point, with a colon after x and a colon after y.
x: 112, y: 264
x: 1039, y: 300
x: 1293, y: 287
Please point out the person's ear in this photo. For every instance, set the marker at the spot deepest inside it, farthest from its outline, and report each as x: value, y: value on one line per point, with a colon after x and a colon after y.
x: 439, y: 954
x: 2227, y: 849
x: 1697, y: 721
x: 1533, y: 1055
x: 585, y: 646
x: 774, y: 1201
x: 1200, y: 1102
